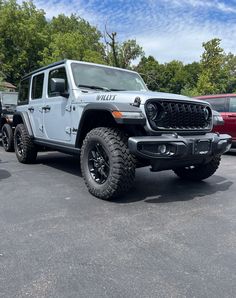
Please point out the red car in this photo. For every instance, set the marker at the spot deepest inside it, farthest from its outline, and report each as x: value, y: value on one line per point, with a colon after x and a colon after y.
x: 225, y: 104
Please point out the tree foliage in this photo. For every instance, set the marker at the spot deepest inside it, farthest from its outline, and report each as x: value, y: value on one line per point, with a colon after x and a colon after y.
x: 121, y: 54
x: 215, y: 73
x: 23, y: 35
x: 28, y: 40
x: 1, y: 81
x: 72, y: 38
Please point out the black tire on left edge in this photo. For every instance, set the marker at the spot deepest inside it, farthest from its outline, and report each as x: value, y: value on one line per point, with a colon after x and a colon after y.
x: 107, y: 166
x: 7, y: 138
x: 25, y: 149
x: 199, y: 172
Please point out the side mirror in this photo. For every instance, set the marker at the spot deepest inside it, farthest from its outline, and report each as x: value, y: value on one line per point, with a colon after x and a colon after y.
x: 58, y: 85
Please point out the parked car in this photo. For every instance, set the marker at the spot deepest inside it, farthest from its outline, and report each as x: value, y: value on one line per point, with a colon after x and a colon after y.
x: 225, y: 104
x: 8, y: 103
x: 109, y: 117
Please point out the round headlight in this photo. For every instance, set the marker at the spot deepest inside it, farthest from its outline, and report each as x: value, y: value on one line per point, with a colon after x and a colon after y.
x: 152, y: 111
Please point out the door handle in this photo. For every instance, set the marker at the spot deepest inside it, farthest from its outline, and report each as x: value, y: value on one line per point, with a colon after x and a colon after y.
x: 232, y: 115
x: 46, y: 108
x: 31, y: 109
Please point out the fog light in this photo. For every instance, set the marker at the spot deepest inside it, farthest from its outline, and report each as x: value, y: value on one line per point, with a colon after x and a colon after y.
x: 162, y: 149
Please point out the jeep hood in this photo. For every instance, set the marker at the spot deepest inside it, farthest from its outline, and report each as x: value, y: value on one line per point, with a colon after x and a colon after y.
x: 129, y: 96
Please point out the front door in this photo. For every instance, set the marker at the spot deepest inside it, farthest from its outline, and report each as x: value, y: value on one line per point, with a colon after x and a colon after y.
x: 57, y: 111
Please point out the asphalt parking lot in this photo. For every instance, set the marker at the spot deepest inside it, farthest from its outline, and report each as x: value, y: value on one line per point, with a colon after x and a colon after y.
x: 167, y: 238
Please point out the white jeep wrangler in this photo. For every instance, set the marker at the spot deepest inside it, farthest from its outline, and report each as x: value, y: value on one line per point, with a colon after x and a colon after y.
x: 109, y: 117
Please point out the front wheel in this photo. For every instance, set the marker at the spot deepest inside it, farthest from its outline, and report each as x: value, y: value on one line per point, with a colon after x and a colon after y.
x: 26, y: 152
x: 7, y: 138
x: 107, y: 166
x: 199, y: 172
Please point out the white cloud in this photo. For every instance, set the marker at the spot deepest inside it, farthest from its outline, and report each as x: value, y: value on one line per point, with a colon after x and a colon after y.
x: 185, y: 45
x: 166, y: 29
x: 214, y: 4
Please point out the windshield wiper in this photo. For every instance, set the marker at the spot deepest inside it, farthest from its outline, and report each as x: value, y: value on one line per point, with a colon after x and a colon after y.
x: 94, y: 87
x: 100, y: 88
x: 112, y: 89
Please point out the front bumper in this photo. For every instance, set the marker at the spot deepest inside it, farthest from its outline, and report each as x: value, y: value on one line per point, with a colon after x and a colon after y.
x: 171, y: 150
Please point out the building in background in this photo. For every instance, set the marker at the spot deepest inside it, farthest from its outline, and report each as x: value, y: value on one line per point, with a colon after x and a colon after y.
x: 6, y: 86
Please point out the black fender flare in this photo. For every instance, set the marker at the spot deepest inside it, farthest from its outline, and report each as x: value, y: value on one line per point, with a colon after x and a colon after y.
x: 109, y: 107
x: 112, y: 106
x: 23, y: 117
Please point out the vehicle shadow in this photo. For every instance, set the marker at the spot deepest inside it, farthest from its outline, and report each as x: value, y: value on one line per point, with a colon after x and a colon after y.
x: 163, y: 187
x: 4, y: 174
x: 232, y: 152
x: 172, y: 189
x: 60, y: 161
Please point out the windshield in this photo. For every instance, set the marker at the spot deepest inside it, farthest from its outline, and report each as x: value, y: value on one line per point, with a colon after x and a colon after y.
x: 105, y: 78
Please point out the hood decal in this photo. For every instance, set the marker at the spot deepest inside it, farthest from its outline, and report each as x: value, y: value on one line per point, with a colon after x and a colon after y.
x: 106, y: 97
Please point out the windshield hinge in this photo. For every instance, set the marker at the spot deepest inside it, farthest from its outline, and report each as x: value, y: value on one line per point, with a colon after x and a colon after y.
x: 68, y: 108
x: 68, y: 130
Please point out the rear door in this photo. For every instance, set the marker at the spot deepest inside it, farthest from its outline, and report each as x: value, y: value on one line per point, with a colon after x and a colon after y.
x: 36, y: 103
x: 230, y: 117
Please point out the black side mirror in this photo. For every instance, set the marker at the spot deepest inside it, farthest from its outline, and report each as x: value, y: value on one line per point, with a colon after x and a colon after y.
x: 58, y: 85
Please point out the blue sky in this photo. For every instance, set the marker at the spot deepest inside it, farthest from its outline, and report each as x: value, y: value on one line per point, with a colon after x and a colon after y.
x: 166, y: 29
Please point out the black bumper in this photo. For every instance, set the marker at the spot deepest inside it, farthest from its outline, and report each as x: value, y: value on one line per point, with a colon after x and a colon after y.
x: 171, y: 151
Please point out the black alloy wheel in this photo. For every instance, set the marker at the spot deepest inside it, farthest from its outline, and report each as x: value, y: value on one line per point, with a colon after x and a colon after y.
x: 26, y: 151
x: 19, y: 143
x: 98, y: 163
x: 7, y: 138
x: 107, y: 166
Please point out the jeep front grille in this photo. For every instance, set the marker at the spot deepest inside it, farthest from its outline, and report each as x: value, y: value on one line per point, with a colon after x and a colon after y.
x: 176, y: 115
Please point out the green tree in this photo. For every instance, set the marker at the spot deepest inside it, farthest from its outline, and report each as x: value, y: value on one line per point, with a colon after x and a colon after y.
x: 23, y: 34
x: 213, y: 77
x: 192, y: 72
x: 168, y: 77
x: 71, y: 45
x: 174, y: 77
x: 230, y: 67
x: 205, y: 84
x: 121, y: 54
x: 72, y: 38
x: 1, y: 81
x: 128, y: 51
x: 151, y: 71
x: 212, y: 58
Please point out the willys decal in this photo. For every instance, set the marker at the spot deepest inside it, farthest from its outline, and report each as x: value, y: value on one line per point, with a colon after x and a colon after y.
x: 106, y: 97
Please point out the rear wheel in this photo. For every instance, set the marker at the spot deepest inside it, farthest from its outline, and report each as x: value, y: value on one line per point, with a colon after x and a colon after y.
x: 199, y: 172
x: 26, y: 151
x: 107, y: 166
x: 7, y: 138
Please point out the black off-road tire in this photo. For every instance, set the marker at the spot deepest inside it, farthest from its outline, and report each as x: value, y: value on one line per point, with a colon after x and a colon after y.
x: 121, y: 162
x: 26, y: 151
x: 7, y: 138
x: 199, y: 172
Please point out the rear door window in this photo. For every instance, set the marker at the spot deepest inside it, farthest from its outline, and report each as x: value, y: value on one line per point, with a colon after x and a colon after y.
x: 219, y: 104
x: 232, y: 105
x: 37, y: 86
x: 23, y: 97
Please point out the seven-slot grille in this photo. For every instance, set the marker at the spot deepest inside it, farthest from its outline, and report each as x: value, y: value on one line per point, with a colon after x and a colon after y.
x: 173, y: 115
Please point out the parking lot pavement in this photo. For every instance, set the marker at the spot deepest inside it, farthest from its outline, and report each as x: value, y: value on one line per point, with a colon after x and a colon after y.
x: 167, y: 238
